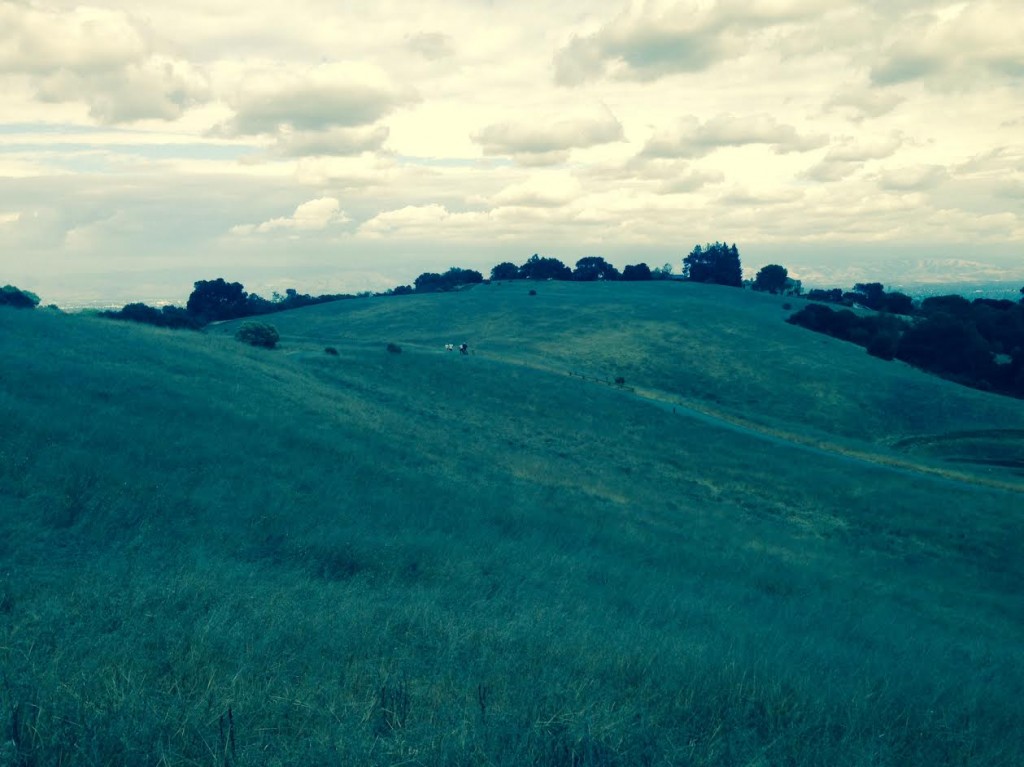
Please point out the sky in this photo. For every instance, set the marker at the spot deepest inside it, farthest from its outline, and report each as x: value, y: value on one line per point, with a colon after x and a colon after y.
x: 336, y: 146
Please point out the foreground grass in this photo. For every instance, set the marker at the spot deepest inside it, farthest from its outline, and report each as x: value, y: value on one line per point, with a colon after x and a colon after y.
x: 218, y: 555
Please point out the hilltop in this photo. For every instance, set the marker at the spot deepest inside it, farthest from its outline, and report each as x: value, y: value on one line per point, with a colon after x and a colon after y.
x: 755, y: 548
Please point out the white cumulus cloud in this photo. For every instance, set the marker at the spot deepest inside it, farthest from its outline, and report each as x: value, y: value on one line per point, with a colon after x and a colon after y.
x: 311, y: 216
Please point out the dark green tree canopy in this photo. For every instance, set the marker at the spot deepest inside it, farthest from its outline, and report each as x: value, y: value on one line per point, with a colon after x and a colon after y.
x: 715, y: 263
x: 19, y: 299
x: 505, y: 271
x: 214, y: 300
x: 870, y: 294
x: 636, y: 272
x: 592, y: 268
x: 771, y: 279
x: 543, y: 268
x: 430, y: 282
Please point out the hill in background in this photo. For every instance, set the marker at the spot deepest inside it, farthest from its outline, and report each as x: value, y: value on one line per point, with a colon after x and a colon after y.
x: 764, y: 546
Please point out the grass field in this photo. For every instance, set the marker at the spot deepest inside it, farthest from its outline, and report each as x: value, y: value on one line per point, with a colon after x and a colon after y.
x: 212, y: 554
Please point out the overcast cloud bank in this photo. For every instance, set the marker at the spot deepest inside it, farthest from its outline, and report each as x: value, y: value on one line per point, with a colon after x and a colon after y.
x: 305, y: 140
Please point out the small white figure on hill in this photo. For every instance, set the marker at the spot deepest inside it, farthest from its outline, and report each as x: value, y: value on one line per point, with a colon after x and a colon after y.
x: 449, y: 347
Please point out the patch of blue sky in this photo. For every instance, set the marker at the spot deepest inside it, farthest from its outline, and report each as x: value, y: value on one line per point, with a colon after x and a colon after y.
x: 9, y: 129
x: 170, y: 151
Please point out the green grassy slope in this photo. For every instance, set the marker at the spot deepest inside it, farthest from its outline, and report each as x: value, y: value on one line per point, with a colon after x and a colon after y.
x: 720, y: 350
x: 213, y: 554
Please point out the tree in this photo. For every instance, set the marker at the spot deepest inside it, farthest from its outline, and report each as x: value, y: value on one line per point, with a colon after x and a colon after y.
x: 771, y: 279
x: 637, y: 272
x: 429, y: 282
x: 948, y: 345
x: 17, y: 298
x: 662, y: 272
x: 715, y: 263
x: 165, y: 317
x: 872, y: 294
x: 592, y: 268
x: 826, y: 295
x: 505, y: 271
x: 214, y: 300
x: 898, y: 303
x: 543, y: 268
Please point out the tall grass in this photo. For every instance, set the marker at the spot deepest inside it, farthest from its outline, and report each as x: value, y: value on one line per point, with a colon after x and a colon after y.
x: 217, y: 555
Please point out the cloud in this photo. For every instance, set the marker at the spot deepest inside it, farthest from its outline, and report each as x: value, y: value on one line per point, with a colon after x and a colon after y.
x: 431, y: 45
x: 156, y: 88
x: 317, y: 100
x: 341, y: 142
x: 539, y: 143
x: 865, y: 102
x: 955, y: 48
x: 540, y: 192
x: 761, y: 198
x: 643, y: 46
x: 849, y: 155
x: 692, y: 138
x: 915, y: 178
x: 97, y: 57
x: 849, y: 149
x: 652, y: 40
x: 428, y: 222
x: 314, y: 215
x: 38, y: 41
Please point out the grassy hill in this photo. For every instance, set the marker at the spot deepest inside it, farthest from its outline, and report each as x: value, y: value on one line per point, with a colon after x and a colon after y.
x: 212, y: 554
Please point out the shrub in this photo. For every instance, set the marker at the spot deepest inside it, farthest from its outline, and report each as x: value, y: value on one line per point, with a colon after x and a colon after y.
x: 258, y: 334
x: 167, y: 317
x: 394, y: 348
x: 331, y: 351
x: 620, y: 381
x: 19, y: 299
x: 884, y: 345
x: 533, y: 292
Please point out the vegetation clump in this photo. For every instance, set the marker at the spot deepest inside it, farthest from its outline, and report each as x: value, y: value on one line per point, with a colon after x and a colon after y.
x: 17, y: 298
x: 771, y: 279
x: 164, y: 317
x: 715, y: 263
x: 394, y: 348
x: 258, y: 334
x: 978, y: 343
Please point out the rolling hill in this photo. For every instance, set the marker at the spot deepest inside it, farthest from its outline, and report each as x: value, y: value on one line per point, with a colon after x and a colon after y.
x: 763, y: 547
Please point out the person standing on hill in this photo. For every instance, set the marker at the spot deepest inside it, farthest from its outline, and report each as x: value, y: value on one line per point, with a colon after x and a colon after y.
x: 463, y: 348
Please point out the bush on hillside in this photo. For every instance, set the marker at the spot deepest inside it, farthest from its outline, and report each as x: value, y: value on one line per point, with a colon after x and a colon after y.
x: 17, y: 298
x: 258, y: 334
x: 394, y: 348
x: 165, y: 317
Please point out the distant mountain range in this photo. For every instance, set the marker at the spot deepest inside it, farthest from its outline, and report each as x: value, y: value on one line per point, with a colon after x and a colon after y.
x: 921, y: 277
